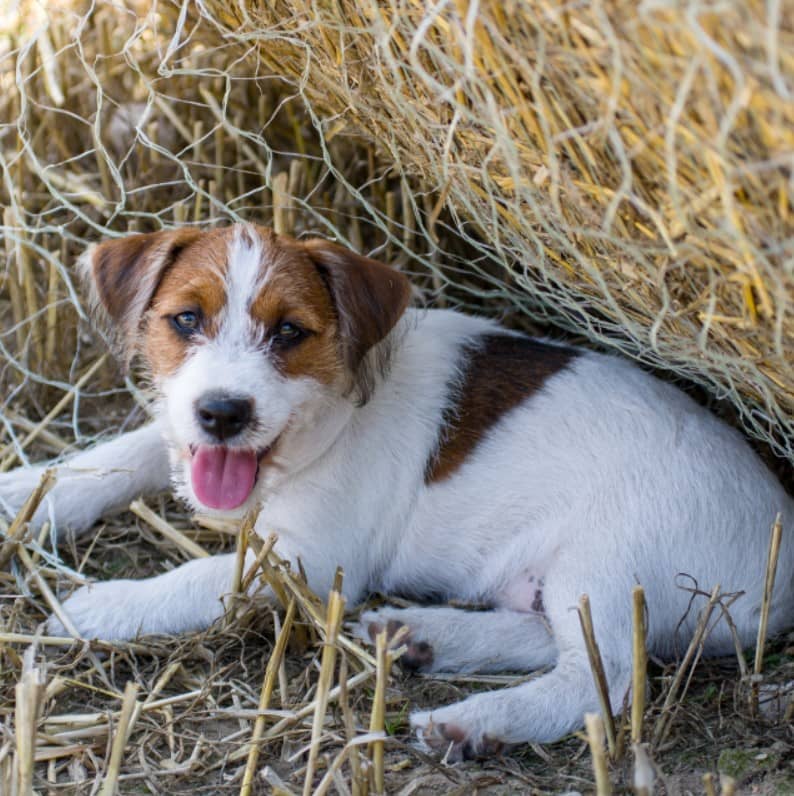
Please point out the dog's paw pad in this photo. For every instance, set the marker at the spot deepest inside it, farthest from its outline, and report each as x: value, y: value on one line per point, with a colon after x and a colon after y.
x: 453, y: 741
x: 374, y: 629
x: 418, y: 656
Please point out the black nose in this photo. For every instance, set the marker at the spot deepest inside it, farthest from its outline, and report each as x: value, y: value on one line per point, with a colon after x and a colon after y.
x: 221, y: 416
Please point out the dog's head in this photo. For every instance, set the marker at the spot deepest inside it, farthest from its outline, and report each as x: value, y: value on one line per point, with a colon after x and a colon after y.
x: 251, y: 339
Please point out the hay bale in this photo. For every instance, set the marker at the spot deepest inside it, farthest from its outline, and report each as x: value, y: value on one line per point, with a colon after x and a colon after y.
x: 628, y: 165
x: 623, y: 171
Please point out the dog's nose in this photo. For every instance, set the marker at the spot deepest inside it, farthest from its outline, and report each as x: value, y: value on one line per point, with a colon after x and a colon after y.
x: 223, y: 416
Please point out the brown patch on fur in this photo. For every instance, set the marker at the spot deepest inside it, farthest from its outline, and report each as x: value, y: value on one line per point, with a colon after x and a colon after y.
x: 502, y: 370
x: 294, y: 292
x: 369, y: 298
x: 193, y: 283
x: 127, y: 271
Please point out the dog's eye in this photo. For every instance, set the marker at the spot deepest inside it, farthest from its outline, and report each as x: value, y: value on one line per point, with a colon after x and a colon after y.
x: 288, y: 333
x: 186, y: 322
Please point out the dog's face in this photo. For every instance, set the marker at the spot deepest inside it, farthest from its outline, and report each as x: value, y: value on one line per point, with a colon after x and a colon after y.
x: 250, y: 338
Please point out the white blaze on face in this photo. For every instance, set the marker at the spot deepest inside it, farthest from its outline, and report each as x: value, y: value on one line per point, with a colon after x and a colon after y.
x: 235, y: 364
x: 245, y: 278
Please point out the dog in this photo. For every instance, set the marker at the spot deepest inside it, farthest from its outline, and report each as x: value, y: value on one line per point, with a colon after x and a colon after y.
x: 432, y: 455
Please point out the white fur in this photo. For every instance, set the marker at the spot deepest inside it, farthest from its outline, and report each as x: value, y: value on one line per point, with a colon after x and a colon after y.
x: 245, y: 278
x: 94, y: 482
x: 605, y: 478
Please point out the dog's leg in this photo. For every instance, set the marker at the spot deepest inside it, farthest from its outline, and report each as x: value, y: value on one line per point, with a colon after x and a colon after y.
x: 184, y: 599
x: 543, y: 709
x: 446, y: 639
x: 93, y: 482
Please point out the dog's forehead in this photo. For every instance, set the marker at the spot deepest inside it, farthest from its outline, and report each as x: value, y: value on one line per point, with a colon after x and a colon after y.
x: 246, y: 269
x: 271, y: 278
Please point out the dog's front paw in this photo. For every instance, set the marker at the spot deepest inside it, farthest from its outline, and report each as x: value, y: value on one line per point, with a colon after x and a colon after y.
x: 108, y: 611
x: 75, y: 503
x: 418, y: 655
x: 451, y: 733
x: 15, y: 488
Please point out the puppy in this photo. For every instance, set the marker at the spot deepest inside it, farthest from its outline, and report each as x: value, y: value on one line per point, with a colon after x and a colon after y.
x: 429, y: 453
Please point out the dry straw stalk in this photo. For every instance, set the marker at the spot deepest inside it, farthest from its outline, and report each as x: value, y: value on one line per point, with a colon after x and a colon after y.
x: 335, y: 613
x: 594, y: 726
x: 129, y: 711
x: 639, y: 663
x: 268, y: 683
x: 599, y: 677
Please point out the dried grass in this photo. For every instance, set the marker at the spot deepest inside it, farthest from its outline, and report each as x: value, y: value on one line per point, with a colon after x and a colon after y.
x: 623, y: 170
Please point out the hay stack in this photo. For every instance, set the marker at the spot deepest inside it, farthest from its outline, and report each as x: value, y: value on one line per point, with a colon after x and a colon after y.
x: 624, y: 170
x: 629, y: 165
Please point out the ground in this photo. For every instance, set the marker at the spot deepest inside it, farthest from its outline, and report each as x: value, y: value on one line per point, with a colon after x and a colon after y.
x: 199, y: 693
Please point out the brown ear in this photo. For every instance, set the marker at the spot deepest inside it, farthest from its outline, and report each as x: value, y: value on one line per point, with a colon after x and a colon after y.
x: 369, y: 297
x: 124, y: 274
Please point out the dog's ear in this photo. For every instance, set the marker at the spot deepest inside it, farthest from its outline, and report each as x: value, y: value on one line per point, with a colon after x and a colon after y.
x: 123, y: 275
x: 369, y: 298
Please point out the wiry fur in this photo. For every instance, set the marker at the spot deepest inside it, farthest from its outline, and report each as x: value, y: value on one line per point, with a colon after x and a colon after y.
x: 601, y: 478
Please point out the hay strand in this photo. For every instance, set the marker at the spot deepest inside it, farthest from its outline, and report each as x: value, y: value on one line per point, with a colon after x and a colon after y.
x: 29, y: 691
x: 11, y: 453
x: 639, y: 663
x: 19, y: 525
x: 273, y: 664
x: 334, y: 616
x: 378, y: 715
x: 671, y: 701
x: 594, y: 726
x: 775, y: 538
x: 194, y: 550
x: 126, y: 721
x: 599, y: 677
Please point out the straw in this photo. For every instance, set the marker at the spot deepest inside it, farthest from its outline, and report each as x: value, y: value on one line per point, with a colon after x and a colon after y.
x: 264, y: 699
x: 126, y: 721
x: 336, y: 607
x: 594, y: 725
x: 640, y: 663
x: 599, y: 677
x: 766, y: 600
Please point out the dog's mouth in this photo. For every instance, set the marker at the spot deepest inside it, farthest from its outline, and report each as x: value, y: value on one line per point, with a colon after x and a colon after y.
x: 224, y: 478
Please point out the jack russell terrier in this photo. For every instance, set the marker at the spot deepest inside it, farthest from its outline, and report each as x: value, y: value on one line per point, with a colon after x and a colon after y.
x: 430, y: 454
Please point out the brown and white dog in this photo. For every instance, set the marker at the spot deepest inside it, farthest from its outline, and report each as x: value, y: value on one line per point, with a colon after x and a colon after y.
x: 430, y: 454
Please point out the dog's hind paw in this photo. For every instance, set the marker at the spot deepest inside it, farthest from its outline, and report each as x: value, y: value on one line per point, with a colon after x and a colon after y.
x: 418, y: 655
x: 452, y: 738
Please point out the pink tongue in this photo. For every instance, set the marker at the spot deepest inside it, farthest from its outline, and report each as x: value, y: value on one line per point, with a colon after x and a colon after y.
x: 223, y: 478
